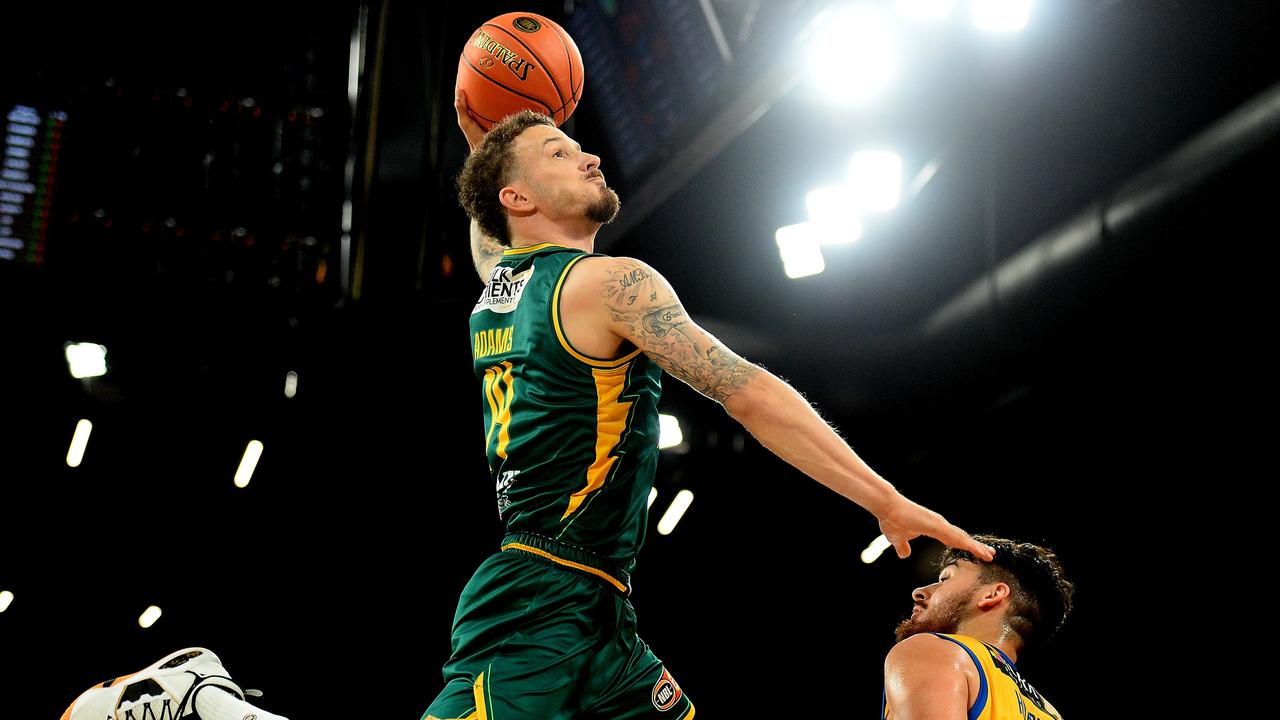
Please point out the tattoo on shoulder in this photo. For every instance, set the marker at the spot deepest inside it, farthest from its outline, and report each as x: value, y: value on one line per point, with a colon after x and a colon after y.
x: 667, y: 335
x: 663, y: 320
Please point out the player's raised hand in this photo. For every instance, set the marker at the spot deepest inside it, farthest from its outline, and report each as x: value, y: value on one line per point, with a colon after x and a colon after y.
x: 469, y: 126
x: 906, y: 521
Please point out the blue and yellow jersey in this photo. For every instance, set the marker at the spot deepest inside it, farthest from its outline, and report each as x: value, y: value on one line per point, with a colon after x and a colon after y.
x: 572, y: 440
x: 1002, y: 692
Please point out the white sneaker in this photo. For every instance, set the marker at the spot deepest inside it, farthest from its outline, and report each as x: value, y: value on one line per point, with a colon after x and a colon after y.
x: 165, y: 690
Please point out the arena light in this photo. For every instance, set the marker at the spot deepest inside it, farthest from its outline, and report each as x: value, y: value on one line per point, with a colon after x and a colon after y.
x: 6, y: 599
x: 247, y: 464
x: 875, y: 549
x: 86, y: 360
x: 79, y: 441
x: 291, y: 384
x: 149, y: 616
x: 801, y: 249
x: 1001, y: 15
x: 653, y: 495
x: 672, y: 516
x: 853, y: 54
x: 669, y: 434
x: 925, y: 9
x: 830, y: 212
x: 875, y: 180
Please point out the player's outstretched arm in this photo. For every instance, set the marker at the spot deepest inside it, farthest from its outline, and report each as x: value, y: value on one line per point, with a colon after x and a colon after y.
x: 639, y: 305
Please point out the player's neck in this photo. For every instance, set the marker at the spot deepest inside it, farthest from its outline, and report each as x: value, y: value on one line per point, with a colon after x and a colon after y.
x: 582, y: 238
x: 992, y: 631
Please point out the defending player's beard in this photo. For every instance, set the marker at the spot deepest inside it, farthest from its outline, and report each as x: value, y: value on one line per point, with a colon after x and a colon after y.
x: 605, y: 208
x: 939, y: 618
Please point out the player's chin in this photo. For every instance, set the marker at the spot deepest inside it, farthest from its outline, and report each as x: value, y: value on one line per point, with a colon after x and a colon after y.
x: 604, y: 208
x: 907, y: 628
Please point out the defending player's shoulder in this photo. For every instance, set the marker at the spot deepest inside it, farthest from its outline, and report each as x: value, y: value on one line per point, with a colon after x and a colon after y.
x: 926, y: 652
x: 927, y: 677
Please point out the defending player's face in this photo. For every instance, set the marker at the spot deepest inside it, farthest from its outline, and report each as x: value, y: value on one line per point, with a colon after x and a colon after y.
x: 565, y: 181
x: 943, y: 605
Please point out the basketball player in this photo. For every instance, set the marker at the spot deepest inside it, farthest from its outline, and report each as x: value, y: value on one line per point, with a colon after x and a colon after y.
x: 956, y: 654
x: 569, y: 346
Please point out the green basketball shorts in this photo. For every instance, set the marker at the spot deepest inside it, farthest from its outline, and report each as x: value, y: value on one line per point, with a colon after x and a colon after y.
x: 539, y: 636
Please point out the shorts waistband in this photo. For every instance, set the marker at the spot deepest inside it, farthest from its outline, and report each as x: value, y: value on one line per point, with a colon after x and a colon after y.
x: 569, y: 556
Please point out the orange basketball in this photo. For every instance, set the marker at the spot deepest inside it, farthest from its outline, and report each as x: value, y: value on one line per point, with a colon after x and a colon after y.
x: 516, y: 61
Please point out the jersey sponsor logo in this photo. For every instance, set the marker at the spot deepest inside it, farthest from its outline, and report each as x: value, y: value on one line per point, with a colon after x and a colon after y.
x: 505, y: 481
x: 666, y: 693
x: 502, y: 292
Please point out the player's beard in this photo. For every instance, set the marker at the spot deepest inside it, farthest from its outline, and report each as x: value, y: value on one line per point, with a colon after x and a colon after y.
x: 938, y: 618
x: 604, y: 208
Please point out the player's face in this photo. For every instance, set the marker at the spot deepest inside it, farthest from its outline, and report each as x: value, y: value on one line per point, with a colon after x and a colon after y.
x: 565, y: 181
x: 943, y: 605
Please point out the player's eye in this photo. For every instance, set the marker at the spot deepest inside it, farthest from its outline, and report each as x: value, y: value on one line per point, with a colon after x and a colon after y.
x: 558, y: 153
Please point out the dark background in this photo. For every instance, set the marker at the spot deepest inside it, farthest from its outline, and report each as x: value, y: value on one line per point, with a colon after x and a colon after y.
x: 1102, y: 409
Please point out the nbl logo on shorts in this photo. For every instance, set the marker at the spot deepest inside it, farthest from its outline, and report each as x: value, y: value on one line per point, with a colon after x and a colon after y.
x: 666, y: 693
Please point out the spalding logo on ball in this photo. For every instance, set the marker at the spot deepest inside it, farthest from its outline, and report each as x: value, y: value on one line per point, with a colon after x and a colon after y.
x: 520, y: 61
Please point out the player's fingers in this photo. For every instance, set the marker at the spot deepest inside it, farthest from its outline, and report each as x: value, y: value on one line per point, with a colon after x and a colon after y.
x: 961, y: 540
x: 470, y: 128
x: 903, y: 548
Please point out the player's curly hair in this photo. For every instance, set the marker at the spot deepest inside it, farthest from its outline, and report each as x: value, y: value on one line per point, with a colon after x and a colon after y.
x: 1041, y: 594
x: 490, y: 168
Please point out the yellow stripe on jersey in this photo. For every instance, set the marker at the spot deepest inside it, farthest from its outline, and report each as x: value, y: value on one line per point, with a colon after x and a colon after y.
x: 481, y: 696
x: 564, y: 340
x: 529, y: 248
x: 568, y: 563
x: 611, y: 421
x: 499, y: 405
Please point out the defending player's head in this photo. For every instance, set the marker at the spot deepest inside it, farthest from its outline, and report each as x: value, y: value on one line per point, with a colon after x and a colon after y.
x: 527, y: 170
x: 1023, y: 589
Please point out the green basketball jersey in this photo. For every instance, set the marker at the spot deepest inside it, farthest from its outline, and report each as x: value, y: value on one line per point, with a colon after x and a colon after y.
x: 572, y: 440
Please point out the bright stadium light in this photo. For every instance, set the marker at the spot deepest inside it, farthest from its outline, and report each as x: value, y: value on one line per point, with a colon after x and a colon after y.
x: 149, y: 616
x: 669, y: 434
x: 291, y: 384
x: 247, y: 464
x: 1001, y: 15
x: 6, y: 599
x: 683, y: 500
x: 653, y: 495
x: 86, y: 360
x: 801, y: 250
x: 875, y: 180
x: 79, y: 441
x: 853, y: 55
x: 925, y: 9
x: 877, y: 546
x: 830, y: 212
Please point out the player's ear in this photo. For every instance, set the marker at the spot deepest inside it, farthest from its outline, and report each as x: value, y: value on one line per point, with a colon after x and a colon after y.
x: 994, y: 594
x: 514, y: 200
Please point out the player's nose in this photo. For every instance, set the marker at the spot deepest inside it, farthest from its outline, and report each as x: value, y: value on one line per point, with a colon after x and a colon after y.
x: 590, y: 162
x: 921, y: 594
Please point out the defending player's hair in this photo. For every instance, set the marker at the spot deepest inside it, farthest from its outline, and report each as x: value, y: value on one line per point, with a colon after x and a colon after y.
x: 1041, y: 596
x: 490, y: 168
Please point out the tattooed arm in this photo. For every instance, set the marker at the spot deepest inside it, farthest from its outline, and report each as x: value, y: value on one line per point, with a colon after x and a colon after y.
x: 485, y: 252
x: 634, y: 302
